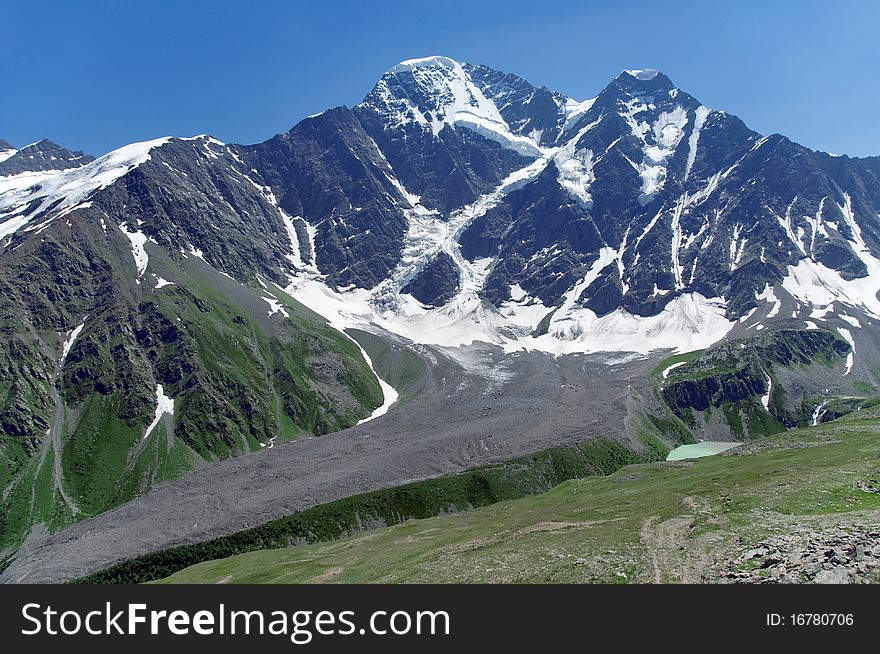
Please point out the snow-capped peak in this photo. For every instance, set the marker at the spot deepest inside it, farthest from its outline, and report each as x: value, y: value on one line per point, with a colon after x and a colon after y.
x: 424, y: 62
x: 644, y: 74
x: 644, y: 81
x: 431, y: 91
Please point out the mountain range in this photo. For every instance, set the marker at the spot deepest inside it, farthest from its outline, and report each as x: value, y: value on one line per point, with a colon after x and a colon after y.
x: 184, y: 300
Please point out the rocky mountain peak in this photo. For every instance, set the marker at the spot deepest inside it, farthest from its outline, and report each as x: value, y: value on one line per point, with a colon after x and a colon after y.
x: 649, y: 86
x: 43, y: 155
x: 646, y: 79
x: 430, y: 92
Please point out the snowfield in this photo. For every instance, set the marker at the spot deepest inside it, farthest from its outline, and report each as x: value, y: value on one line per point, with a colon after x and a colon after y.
x: 689, y: 322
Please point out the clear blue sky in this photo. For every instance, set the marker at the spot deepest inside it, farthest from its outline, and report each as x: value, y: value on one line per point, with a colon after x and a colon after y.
x: 96, y: 75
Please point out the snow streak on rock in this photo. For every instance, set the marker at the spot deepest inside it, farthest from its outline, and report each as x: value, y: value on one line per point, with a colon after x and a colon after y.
x: 164, y: 404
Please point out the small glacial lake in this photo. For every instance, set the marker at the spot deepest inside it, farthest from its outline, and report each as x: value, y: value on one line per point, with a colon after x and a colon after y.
x: 697, y: 450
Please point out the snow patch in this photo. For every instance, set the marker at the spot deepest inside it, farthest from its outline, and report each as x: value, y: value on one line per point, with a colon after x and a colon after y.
x: 814, y: 283
x: 765, y: 399
x: 659, y: 141
x: 423, y: 62
x: 6, y: 154
x: 642, y: 73
x: 389, y: 393
x: 138, y: 240
x: 669, y: 369
x: 498, y: 132
x: 196, y: 252
x: 164, y: 404
x: 850, y: 358
x: 699, y: 120
x: 811, y: 282
x: 275, y: 306
x: 296, y: 255
x: 574, y: 111
x: 817, y: 414
x: 819, y: 313
x: 575, y: 167
x: 71, y: 337
x: 769, y: 296
x: 576, y: 173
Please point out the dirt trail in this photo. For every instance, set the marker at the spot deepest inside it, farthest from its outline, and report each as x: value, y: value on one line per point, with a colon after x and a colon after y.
x: 654, y: 574
x: 328, y: 574
x: 672, y: 556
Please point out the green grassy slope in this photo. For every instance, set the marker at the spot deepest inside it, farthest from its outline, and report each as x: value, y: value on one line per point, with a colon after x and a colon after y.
x: 480, y: 486
x: 241, y: 379
x: 685, y: 521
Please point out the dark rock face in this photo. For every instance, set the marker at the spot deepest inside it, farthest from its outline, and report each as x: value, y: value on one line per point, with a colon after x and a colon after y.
x: 607, y: 293
x: 525, y: 108
x: 738, y: 370
x: 838, y: 255
x: 43, y: 155
x: 436, y: 284
x: 715, y: 391
x: 330, y: 172
x: 193, y: 195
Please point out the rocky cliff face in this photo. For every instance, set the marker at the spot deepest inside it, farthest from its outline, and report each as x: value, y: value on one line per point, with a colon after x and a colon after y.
x: 751, y: 378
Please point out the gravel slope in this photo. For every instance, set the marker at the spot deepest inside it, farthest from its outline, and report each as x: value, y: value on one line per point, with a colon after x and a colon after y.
x: 475, y: 406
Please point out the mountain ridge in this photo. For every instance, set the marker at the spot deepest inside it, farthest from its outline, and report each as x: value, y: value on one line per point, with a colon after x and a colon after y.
x: 460, y: 157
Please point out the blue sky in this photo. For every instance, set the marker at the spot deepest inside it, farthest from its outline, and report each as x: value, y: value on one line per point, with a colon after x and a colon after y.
x: 97, y: 75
